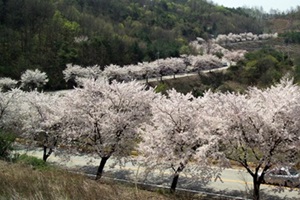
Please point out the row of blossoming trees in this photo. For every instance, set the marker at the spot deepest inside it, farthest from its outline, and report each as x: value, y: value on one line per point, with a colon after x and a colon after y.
x: 215, y: 46
x: 243, y: 37
x: 261, y: 127
x: 31, y: 79
x: 161, y: 67
x: 145, y: 70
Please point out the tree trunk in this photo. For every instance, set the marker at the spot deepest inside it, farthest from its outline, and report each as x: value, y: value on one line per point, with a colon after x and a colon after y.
x: 45, y: 154
x: 174, y: 182
x: 256, y: 187
x: 101, y: 167
x: 176, y: 177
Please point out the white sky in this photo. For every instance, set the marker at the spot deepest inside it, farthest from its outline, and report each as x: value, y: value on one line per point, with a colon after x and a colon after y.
x: 281, y: 5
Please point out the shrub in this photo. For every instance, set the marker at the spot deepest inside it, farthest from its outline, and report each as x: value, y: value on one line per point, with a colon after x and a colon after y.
x: 36, y: 163
x: 161, y: 87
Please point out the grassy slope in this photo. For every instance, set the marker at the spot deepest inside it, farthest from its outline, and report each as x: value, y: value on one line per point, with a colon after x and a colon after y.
x: 21, y: 181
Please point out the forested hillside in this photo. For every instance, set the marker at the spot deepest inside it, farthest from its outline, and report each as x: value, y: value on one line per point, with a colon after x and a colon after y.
x: 48, y: 34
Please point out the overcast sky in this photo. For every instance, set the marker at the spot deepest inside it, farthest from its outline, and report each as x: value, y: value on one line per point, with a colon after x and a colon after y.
x: 281, y: 5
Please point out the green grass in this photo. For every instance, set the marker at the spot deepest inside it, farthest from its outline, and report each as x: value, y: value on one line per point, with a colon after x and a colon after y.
x: 33, y: 162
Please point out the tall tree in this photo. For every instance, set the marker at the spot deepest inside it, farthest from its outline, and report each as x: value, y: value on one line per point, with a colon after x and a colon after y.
x: 104, y: 117
x: 41, y: 115
x: 263, y: 128
x: 9, y: 109
x: 31, y: 80
x: 181, y: 130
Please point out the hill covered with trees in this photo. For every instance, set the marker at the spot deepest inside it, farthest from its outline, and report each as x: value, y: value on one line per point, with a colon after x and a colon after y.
x: 48, y: 34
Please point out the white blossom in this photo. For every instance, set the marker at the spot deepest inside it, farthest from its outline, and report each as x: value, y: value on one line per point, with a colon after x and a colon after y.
x: 181, y: 130
x: 106, y: 116
x: 263, y: 127
x: 33, y: 79
x: 9, y: 109
x: 36, y: 116
x: 204, y: 62
x: 243, y: 37
x: 73, y: 72
x: 7, y: 83
x: 81, y: 38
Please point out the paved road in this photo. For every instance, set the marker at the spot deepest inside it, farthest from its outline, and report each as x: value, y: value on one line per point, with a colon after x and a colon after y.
x: 182, y: 75
x: 234, y: 182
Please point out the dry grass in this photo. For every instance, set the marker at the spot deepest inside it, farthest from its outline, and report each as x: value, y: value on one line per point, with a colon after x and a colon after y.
x: 19, y: 181
x: 22, y: 182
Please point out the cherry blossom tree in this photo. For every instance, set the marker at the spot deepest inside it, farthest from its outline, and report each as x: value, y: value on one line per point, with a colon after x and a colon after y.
x: 7, y: 121
x: 170, y: 66
x: 41, y: 115
x: 7, y: 84
x: 145, y: 70
x: 263, y: 128
x: 209, y: 60
x: 73, y: 72
x: 204, y: 62
x: 9, y: 102
x: 33, y: 115
x: 148, y: 69
x: 33, y: 79
x: 136, y: 72
x: 181, y: 130
x: 235, y: 56
x: 105, y: 117
x: 115, y: 72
